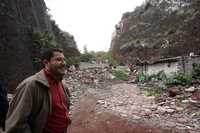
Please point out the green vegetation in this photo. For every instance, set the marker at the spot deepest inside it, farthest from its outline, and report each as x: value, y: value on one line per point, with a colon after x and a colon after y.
x: 154, y: 91
x: 86, y: 57
x: 196, y: 71
x: 121, y: 75
x: 41, y: 40
x: 44, y: 39
x: 72, y: 61
x: 92, y: 56
x: 159, y: 76
x: 109, y: 58
x: 89, y: 56
x: 182, y: 79
x: 142, y: 77
x: 179, y: 79
x: 154, y: 77
x: 105, y: 56
x: 176, y: 79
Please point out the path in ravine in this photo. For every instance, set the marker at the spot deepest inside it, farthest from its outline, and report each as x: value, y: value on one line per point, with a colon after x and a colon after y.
x: 122, y: 108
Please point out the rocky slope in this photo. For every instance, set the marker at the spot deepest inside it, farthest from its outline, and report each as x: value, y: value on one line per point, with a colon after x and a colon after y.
x: 158, y: 29
x: 19, y: 20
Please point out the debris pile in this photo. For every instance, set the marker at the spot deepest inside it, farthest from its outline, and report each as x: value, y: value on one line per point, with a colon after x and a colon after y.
x: 88, y: 79
x: 178, y: 108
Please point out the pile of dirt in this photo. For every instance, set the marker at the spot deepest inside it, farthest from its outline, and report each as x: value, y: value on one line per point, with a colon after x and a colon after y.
x: 87, y: 119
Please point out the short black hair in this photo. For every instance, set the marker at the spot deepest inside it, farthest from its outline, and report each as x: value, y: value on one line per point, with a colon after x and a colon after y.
x: 47, y: 54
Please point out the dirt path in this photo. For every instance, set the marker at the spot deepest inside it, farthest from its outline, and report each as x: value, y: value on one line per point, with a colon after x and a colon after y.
x: 119, y: 108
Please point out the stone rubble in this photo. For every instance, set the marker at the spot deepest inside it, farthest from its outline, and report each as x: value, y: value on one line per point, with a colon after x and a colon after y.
x: 181, y: 111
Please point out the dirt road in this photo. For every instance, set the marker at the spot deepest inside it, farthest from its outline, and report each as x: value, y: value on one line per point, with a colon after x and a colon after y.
x: 119, y: 108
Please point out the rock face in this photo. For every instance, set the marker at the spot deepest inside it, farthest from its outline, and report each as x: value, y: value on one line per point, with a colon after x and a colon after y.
x: 19, y: 19
x: 158, y: 29
x: 65, y: 40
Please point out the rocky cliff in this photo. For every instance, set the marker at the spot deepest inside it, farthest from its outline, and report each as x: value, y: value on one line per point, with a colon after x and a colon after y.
x: 65, y: 40
x: 19, y: 20
x: 158, y: 29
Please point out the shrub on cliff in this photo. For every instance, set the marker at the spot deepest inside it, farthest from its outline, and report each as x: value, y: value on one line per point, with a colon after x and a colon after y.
x: 44, y: 39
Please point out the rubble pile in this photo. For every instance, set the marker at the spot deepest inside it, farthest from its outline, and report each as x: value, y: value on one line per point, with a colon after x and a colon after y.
x: 128, y: 101
x: 180, y: 111
x: 170, y: 112
x: 88, y: 79
x: 179, y: 107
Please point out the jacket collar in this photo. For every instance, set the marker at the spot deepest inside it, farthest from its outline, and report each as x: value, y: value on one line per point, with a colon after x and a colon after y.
x: 40, y: 77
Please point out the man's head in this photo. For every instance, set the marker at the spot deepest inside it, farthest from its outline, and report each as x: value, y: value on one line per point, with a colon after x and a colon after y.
x: 53, y: 60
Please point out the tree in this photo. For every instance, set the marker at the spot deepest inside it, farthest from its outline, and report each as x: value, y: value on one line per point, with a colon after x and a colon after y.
x: 110, y: 60
x: 85, y: 51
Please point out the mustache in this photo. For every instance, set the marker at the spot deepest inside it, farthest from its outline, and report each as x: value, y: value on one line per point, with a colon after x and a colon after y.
x: 61, y: 66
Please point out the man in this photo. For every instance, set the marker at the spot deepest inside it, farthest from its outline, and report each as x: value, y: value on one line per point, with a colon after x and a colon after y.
x: 41, y: 101
x: 3, y: 106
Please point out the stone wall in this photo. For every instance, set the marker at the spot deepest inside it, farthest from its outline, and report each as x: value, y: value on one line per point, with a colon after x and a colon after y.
x: 188, y: 62
x: 170, y: 66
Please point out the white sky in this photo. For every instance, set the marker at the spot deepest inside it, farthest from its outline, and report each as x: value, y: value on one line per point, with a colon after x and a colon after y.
x: 91, y: 22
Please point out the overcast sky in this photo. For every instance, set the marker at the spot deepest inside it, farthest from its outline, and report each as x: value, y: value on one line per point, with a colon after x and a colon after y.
x: 91, y: 22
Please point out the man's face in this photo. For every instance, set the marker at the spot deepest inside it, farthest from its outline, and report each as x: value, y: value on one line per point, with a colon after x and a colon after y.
x: 56, y: 65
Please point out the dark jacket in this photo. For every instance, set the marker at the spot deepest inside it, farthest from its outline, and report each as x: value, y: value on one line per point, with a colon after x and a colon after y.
x: 31, y: 106
x: 3, y: 105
